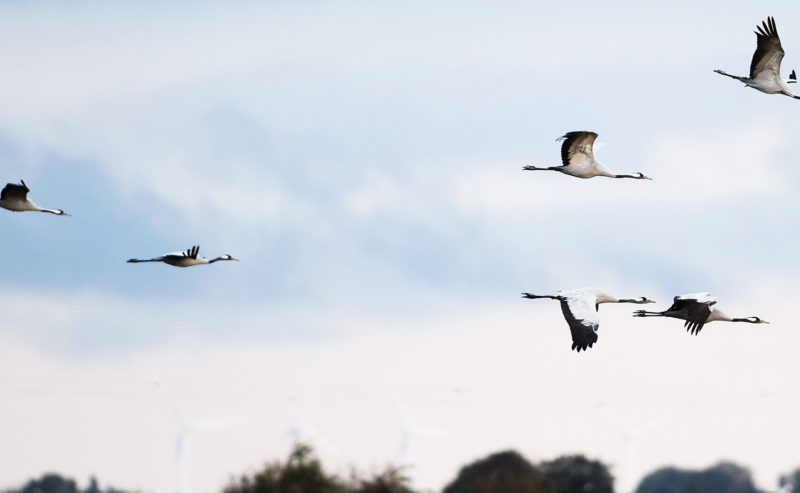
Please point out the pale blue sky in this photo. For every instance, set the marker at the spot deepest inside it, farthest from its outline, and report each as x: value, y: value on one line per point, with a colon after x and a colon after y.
x: 364, y: 163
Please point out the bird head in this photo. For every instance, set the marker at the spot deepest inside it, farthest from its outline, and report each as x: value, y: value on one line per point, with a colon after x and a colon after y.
x: 228, y: 257
x: 641, y: 176
x: 639, y: 301
x: 756, y: 320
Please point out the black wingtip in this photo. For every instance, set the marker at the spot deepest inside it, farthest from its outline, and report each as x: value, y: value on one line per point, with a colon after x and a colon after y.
x: 793, y: 76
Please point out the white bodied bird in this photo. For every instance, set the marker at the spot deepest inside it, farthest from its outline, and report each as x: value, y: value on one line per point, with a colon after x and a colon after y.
x: 578, y: 158
x: 765, y: 68
x: 183, y: 259
x: 15, y: 198
x: 580, y: 311
x: 697, y: 309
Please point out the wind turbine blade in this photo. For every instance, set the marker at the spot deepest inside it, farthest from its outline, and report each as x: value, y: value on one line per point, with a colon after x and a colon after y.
x: 211, y: 423
x: 402, y: 411
x: 632, y: 430
x: 411, y: 430
x: 179, y: 446
x: 182, y: 452
x: 324, y: 445
x: 624, y: 427
x: 293, y: 433
x: 632, y: 433
x: 405, y: 455
x: 432, y: 431
x: 306, y: 406
x: 170, y: 400
x: 654, y: 424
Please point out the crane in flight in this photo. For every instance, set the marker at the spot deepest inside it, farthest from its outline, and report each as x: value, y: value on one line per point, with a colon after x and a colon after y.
x: 580, y: 311
x: 577, y: 158
x: 14, y: 197
x: 765, y: 68
x: 697, y: 309
x: 187, y: 258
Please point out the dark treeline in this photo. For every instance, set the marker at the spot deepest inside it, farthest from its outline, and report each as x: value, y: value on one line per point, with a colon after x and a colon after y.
x: 506, y: 471
x: 54, y: 483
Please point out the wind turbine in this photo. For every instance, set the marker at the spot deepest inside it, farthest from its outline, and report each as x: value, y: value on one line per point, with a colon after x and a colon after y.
x: 411, y: 430
x: 186, y: 426
x: 303, y: 431
x: 632, y: 433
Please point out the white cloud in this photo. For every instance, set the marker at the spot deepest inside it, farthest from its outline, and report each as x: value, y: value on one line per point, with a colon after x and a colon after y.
x: 422, y: 116
x: 134, y: 103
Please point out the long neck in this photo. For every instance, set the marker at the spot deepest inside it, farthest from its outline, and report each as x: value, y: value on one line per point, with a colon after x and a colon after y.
x: 600, y: 170
x: 605, y: 298
x: 785, y: 87
x: 638, y: 301
x: 752, y: 320
x: 718, y: 315
x: 34, y: 207
x: 213, y: 260
x: 636, y: 177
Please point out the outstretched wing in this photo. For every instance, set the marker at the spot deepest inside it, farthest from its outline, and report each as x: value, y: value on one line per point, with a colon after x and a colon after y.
x: 697, y: 307
x: 696, y: 317
x: 191, y: 252
x: 684, y: 300
x: 769, y: 53
x: 176, y: 256
x: 577, y: 147
x: 13, y: 191
x: 581, y: 315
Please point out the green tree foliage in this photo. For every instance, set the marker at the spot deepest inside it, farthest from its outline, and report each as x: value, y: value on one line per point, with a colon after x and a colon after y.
x: 666, y: 480
x: 504, y: 471
x: 55, y: 483
x: 390, y: 481
x: 576, y: 473
x: 50, y: 483
x: 303, y: 473
x: 725, y: 476
x: 510, y: 472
